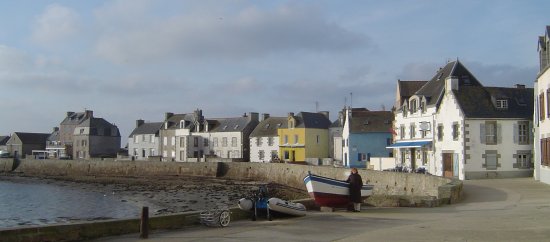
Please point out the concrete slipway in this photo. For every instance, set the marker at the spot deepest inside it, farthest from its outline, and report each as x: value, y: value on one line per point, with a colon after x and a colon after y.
x: 492, y: 210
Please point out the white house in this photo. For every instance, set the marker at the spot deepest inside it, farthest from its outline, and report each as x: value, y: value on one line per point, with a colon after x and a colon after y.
x: 466, y: 130
x: 264, y: 140
x: 230, y: 137
x: 542, y: 111
x: 144, y: 140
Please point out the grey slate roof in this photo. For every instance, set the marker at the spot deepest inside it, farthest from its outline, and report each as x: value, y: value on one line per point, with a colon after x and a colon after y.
x: 4, y: 140
x: 74, y: 118
x: 32, y: 138
x: 269, y: 126
x: 98, y: 123
x: 433, y: 89
x: 408, y: 88
x: 233, y: 124
x: 175, y: 120
x: 312, y: 120
x: 54, y: 136
x: 147, y: 128
x: 371, y: 121
x: 479, y: 102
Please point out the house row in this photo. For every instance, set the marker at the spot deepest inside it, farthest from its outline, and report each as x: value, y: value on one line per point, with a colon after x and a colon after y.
x: 303, y: 137
x: 79, y: 136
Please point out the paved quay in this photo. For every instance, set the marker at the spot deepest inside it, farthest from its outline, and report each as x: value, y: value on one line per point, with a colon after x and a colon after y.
x: 492, y: 210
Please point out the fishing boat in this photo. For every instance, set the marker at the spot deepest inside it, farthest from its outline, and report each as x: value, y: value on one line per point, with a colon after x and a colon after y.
x: 286, y: 207
x: 328, y: 192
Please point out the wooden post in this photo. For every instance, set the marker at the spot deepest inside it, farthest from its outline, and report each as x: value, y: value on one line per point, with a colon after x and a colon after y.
x: 144, y: 228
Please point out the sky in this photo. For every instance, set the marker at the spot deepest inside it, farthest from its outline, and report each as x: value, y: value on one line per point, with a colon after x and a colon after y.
x: 138, y: 59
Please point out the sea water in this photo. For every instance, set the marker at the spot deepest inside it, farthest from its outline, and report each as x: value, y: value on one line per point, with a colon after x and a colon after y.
x: 32, y: 203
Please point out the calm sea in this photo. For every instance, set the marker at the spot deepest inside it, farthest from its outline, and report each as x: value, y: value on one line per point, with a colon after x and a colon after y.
x: 25, y: 204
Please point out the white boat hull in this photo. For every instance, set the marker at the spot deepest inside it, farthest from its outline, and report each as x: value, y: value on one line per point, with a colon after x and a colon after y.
x: 330, y: 192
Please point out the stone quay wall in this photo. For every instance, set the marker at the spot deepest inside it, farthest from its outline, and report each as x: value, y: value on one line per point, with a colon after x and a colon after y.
x: 390, y: 188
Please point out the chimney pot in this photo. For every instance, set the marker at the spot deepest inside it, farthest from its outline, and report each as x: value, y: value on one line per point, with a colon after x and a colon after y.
x: 139, y: 122
x: 520, y: 86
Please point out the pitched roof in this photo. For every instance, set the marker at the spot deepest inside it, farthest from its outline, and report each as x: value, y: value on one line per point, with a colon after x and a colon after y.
x: 480, y: 102
x: 371, y: 121
x: 312, y: 120
x: 233, y: 124
x: 4, y: 140
x: 408, y: 88
x: 32, y: 138
x: 147, y: 128
x: 174, y: 120
x: 54, y: 136
x: 98, y: 123
x: 74, y: 118
x: 269, y: 126
x: 433, y: 89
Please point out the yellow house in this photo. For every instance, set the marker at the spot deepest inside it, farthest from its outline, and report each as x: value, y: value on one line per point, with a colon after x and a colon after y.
x: 305, y: 137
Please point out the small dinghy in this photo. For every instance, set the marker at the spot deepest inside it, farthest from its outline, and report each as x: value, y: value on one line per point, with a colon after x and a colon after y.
x: 286, y: 207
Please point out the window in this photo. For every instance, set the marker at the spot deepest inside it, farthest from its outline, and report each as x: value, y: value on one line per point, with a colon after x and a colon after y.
x: 523, y: 132
x: 224, y: 141
x: 215, y: 141
x: 236, y: 154
x: 491, y: 132
x: 182, y: 155
x: 291, y: 124
x: 541, y: 107
x: 83, y: 143
x: 143, y: 137
x: 413, y: 106
x: 136, y: 139
x: 545, y: 151
x: 402, y: 131
x: 287, y: 155
x: 295, y: 139
x: 173, y: 141
x: 258, y: 141
x: 318, y: 139
x: 261, y: 154
x: 286, y: 139
x: 135, y: 151
x: 205, y: 142
x: 151, y: 138
x: 152, y: 152
x: 523, y: 160
x: 455, y: 131
x: 81, y: 131
x: 270, y: 141
x: 413, y: 131
x: 491, y: 160
x: 182, y: 141
x: 195, y: 141
x: 234, y: 141
x: 440, y: 132
x: 502, y: 104
x: 424, y: 157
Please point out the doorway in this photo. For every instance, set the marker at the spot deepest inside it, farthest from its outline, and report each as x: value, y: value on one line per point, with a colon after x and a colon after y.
x: 448, y: 164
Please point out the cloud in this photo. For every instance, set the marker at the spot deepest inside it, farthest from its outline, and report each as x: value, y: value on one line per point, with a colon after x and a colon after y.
x: 12, y: 60
x: 418, y: 71
x: 503, y: 75
x: 250, y: 33
x: 56, y: 24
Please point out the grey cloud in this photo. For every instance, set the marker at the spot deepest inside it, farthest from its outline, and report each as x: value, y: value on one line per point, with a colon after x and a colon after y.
x: 251, y: 33
x: 503, y: 75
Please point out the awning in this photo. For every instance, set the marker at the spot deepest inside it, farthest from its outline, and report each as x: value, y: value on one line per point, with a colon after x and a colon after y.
x: 410, y: 144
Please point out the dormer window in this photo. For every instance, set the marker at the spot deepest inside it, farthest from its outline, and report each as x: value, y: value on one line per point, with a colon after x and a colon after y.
x: 224, y: 127
x: 502, y: 104
x: 182, y: 124
x: 291, y: 124
x: 413, y: 106
x: 267, y: 126
x: 236, y: 126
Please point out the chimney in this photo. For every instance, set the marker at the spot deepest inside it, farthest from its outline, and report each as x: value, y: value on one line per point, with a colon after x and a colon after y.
x: 451, y: 83
x: 265, y: 116
x: 55, y: 129
x: 168, y: 115
x: 253, y: 116
x: 520, y: 86
x: 139, y: 122
x: 89, y: 113
x: 325, y: 113
x: 69, y: 114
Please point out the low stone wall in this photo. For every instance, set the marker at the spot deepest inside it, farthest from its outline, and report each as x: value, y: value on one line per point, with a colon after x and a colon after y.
x: 391, y: 188
x: 97, y: 229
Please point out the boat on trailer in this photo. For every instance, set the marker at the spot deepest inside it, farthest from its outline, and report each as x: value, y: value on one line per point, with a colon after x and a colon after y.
x: 328, y: 192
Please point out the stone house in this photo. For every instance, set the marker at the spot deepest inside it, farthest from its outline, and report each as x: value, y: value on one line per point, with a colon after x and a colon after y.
x: 230, y: 137
x: 455, y: 127
x: 264, y: 141
x: 3, y: 142
x: 23, y: 144
x: 95, y: 138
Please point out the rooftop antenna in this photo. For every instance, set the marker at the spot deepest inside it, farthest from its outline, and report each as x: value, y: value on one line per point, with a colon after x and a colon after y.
x: 316, y: 106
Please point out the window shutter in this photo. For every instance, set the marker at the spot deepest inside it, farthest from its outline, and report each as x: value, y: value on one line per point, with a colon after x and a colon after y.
x: 499, y: 133
x: 358, y: 156
x: 482, y: 133
x: 530, y: 133
x: 516, y: 133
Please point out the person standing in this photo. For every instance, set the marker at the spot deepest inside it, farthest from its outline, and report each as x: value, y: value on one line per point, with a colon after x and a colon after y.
x: 355, y: 185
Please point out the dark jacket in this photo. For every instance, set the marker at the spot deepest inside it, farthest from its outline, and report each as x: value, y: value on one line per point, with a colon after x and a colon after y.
x: 355, y: 185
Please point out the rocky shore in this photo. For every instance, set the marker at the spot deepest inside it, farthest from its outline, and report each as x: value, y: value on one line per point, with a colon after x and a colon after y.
x: 168, y: 194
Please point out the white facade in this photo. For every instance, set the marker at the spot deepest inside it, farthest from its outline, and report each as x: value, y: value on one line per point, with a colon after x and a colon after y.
x: 227, y: 144
x: 142, y: 146
x: 542, y: 93
x: 264, y: 149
